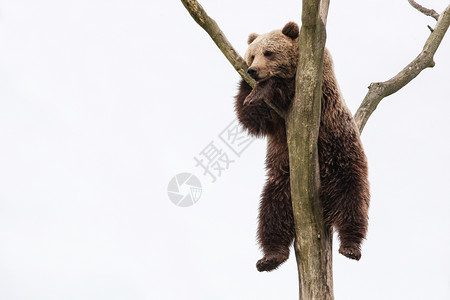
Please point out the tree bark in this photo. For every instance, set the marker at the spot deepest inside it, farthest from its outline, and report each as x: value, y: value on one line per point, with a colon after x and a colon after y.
x: 313, y: 243
x: 426, y: 11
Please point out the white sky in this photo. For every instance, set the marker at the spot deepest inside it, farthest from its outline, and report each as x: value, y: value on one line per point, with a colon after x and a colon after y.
x: 103, y: 102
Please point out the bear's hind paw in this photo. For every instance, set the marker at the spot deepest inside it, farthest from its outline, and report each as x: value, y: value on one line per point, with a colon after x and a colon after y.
x: 353, y: 252
x: 270, y: 262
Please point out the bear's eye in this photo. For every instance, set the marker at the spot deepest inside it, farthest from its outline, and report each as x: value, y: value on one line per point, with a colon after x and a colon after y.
x: 268, y: 53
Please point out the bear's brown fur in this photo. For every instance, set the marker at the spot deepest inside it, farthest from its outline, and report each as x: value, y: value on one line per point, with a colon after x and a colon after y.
x: 344, y: 190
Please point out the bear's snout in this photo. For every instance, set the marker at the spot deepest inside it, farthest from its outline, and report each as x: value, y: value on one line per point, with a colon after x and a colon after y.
x: 253, y: 72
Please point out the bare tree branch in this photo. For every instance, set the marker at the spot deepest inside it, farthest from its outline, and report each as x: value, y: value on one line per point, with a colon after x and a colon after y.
x: 379, y: 90
x: 424, y: 10
x: 210, y: 26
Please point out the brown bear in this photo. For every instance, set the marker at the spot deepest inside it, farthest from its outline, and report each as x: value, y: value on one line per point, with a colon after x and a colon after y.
x: 344, y: 188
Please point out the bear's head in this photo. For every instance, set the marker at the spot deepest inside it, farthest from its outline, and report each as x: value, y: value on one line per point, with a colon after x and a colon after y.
x: 273, y: 54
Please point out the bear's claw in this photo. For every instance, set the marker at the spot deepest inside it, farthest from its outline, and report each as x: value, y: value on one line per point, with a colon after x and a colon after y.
x: 352, y: 252
x: 270, y: 262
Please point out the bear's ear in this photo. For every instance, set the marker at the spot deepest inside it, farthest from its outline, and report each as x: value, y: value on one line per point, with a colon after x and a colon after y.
x: 291, y: 30
x: 252, y: 37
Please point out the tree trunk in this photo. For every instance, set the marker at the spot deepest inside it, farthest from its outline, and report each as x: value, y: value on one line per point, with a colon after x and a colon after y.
x: 313, y: 243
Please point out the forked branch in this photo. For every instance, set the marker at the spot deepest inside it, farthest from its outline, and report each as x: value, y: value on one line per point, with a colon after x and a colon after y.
x: 379, y: 90
x: 318, y: 264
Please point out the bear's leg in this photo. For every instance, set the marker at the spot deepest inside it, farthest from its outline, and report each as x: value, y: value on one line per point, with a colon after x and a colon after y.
x: 276, y: 223
x: 344, y: 189
x: 349, y: 215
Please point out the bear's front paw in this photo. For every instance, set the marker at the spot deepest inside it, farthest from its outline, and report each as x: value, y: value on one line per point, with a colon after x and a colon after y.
x: 352, y: 251
x: 250, y: 99
x: 270, y: 262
